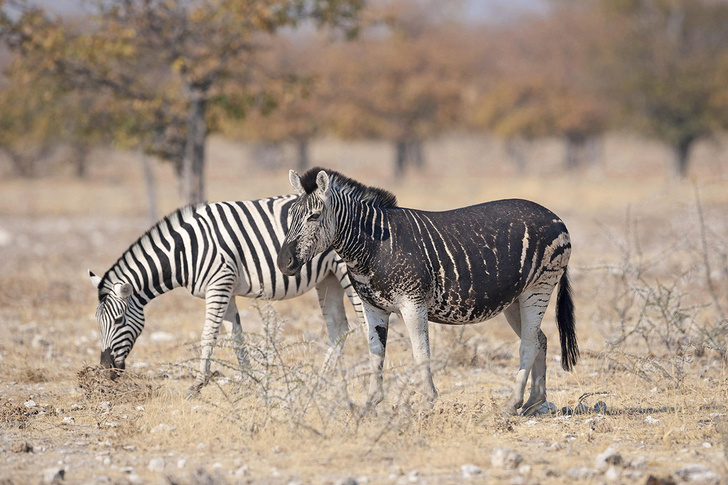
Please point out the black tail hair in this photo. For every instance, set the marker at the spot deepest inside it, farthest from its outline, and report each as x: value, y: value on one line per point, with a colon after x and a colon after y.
x: 565, y: 323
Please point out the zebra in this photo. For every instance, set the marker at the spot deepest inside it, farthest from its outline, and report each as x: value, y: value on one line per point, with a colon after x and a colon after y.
x: 216, y: 251
x: 455, y: 267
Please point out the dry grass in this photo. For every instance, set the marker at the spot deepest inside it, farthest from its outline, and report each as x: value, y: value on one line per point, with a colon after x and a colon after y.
x: 650, y: 324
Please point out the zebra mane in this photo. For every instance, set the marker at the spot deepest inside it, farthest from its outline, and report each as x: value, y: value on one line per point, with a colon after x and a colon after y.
x: 174, y: 218
x: 376, y: 196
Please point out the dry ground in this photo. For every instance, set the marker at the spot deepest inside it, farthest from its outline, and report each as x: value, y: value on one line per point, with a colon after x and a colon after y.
x: 651, y: 324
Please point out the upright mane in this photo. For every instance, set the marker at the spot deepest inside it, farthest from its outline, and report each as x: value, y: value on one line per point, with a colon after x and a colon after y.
x: 174, y: 219
x: 374, y: 195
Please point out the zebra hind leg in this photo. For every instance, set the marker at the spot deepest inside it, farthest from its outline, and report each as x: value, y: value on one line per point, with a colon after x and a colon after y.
x: 331, y: 300
x: 532, y: 305
x: 538, y: 371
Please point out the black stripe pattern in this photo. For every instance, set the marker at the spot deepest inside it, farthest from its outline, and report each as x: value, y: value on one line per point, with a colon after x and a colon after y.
x: 216, y: 251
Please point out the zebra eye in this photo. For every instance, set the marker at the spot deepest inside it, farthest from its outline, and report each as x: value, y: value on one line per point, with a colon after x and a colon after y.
x: 314, y: 216
x: 119, y: 320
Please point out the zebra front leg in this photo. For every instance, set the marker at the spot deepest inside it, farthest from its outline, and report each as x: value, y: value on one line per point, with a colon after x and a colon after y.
x: 216, y: 305
x: 378, y: 325
x: 532, y: 305
x: 232, y: 316
x: 414, y: 315
x: 538, y: 371
x: 331, y: 299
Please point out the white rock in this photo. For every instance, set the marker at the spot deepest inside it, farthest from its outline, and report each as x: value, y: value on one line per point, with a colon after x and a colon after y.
x: 30, y: 404
x: 524, y: 469
x: 161, y: 337
x: 69, y: 420
x: 612, y: 473
x: 697, y: 473
x: 347, y: 481
x: 413, y: 476
x: 156, y: 465
x: 609, y: 457
x: 650, y: 420
x: 241, y: 472
x: 53, y: 476
x: 581, y: 473
x: 469, y: 470
x: 639, y: 463
x: 181, y: 463
x: 161, y: 428
x: 505, y: 458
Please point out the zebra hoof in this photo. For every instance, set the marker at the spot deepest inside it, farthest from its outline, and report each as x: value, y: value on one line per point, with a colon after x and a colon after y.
x: 193, y: 391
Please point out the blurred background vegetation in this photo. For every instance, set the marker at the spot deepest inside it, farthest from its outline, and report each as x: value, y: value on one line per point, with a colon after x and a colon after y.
x: 159, y: 77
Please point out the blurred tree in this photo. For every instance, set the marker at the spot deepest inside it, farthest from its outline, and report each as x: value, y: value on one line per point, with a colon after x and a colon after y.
x: 542, y: 81
x: 166, y: 63
x: 667, y: 69
x: 402, y: 81
x: 293, y: 107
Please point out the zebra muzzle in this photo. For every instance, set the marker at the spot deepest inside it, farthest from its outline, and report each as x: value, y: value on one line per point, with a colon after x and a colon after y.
x: 108, y: 362
x: 288, y: 263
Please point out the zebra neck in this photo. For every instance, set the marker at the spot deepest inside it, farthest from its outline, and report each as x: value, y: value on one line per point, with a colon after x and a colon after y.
x: 366, y: 227
x: 147, y: 270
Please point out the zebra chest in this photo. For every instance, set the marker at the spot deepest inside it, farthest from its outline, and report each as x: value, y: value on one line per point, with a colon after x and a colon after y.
x: 382, y: 292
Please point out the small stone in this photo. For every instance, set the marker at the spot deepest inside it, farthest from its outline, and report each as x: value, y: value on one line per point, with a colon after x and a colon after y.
x: 581, y: 473
x: 105, y: 405
x: 505, y: 458
x: 547, y: 408
x: 524, y: 469
x: 160, y: 428
x: 276, y: 449
x: 555, y: 446
x: 469, y: 470
x: 612, y: 473
x: 127, y: 469
x: 581, y: 409
x: 30, y: 404
x: 600, y: 407
x: 347, y: 481
x: 161, y: 337
x: 413, y: 476
x: 181, y: 463
x: 242, y: 471
x: 156, y: 465
x: 639, y: 463
x: 650, y: 420
x: 69, y: 420
x: 697, y: 473
x: 609, y: 457
x: 53, y: 476
x: 707, y: 444
x: 21, y: 447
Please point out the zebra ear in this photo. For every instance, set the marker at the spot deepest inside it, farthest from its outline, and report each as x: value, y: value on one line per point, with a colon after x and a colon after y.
x: 322, y: 182
x: 295, y: 182
x: 123, y: 290
x: 95, y: 280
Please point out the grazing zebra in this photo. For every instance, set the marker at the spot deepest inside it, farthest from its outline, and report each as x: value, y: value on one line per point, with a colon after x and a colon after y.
x: 455, y: 267
x: 216, y: 251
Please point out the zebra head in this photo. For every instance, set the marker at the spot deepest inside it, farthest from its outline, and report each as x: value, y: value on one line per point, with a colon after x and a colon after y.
x: 312, y: 225
x: 121, y: 319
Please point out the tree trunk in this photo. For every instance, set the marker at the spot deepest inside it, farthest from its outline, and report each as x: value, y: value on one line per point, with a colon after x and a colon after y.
x: 194, y: 159
x: 682, y: 156
x: 151, y: 188
x: 81, y: 151
x: 400, y: 159
x: 303, y: 157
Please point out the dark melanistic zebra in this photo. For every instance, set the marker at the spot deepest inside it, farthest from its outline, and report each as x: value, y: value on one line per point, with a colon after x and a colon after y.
x: 216, y: 251
x: 455, y: 267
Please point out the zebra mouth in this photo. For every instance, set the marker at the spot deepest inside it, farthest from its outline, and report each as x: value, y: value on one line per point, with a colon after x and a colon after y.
x: 288, y: 263
x: 114, y: 368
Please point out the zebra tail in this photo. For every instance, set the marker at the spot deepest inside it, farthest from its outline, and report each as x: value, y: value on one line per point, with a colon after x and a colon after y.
x: 565, y: 323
